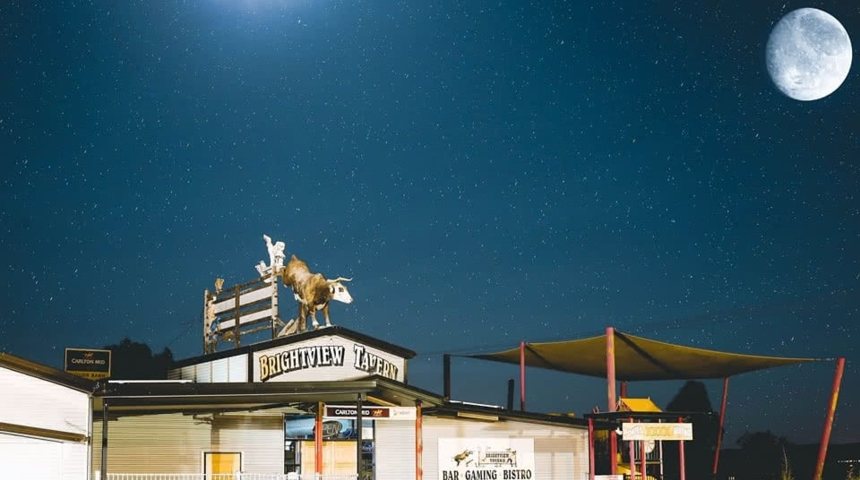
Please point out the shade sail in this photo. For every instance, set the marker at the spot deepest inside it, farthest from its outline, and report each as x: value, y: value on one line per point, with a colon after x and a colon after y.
x: 638, y: 358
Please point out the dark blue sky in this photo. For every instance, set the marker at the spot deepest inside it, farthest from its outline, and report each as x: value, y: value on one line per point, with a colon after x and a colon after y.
x: 486, y: 172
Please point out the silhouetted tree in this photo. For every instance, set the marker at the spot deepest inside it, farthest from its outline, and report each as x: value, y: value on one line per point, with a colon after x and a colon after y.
x: 699, y: 453
x: 132, y: 360
x: 763, y: 455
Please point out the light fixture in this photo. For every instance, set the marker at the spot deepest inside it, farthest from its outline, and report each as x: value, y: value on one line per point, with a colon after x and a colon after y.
x: 478, y: 416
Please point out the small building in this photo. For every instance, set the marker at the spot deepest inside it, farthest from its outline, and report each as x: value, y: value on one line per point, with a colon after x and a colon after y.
x: 330, y: 403
x: 45, y: 422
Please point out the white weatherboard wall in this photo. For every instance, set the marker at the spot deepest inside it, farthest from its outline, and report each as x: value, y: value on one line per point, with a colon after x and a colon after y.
x: 28, y: 401
x: 395, y: 450
x: 561, y: 453
x: 232, y: 369
x: 175, y: 443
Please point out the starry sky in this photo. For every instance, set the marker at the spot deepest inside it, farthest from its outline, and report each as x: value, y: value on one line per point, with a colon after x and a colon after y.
x: 488, y: 172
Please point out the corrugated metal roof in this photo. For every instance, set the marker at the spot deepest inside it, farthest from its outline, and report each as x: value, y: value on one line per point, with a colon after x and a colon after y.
x: 45, y: 372
x: 626, y: 404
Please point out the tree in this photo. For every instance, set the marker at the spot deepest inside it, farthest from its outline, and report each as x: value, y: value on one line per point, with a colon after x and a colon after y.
x: 132, y: 360
x: 763, y: 455
x: 692, y: 401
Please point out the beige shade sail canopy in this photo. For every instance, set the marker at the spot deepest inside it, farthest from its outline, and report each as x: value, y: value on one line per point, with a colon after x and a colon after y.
x: 638, y: 358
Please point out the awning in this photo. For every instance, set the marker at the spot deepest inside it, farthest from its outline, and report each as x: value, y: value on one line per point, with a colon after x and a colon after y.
x: 627, y: 404
x: 638, y: 358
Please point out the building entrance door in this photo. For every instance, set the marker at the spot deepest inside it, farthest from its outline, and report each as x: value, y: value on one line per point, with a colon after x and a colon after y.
x: 224, y: 464
x: 338, y: 458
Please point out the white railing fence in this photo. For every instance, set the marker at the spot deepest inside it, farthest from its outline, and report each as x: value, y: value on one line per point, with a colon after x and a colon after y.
x: 225, y: 476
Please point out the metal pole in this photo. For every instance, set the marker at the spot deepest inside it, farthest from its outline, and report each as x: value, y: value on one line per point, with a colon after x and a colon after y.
x: 722, y: 423
x: 104, y: 439
x: 828, y: 420
x: 237, y: 316
x: 358, y: 426
x: 275, y: 314
x: 591, y: 449
x: 631, y: 450
x: 446, y: 376
x: 206, y: 323
x: 510, y: 403
x: 419, y: 442
x: 660, y: 447
x: 522, y: 376
x: 610, y: 397
x: 642, y: 459
x: 318, y: 439
x: 681, y: 455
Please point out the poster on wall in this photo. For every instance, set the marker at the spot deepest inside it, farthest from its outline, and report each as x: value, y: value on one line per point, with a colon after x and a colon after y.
x: 486, y: 459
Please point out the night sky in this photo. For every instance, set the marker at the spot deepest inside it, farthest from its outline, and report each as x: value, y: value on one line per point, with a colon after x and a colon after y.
x: 487, y: 172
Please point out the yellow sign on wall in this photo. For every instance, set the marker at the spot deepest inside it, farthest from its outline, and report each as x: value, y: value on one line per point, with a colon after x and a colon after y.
x: 656, y: 431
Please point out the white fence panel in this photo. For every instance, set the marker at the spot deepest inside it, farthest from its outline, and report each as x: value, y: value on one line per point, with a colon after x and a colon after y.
x: 224, y: 476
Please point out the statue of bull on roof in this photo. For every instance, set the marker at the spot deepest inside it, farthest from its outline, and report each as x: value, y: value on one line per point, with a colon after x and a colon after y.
x: 313, y: 291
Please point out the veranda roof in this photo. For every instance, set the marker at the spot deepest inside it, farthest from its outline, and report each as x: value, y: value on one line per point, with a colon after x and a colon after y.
x: 638, y: 358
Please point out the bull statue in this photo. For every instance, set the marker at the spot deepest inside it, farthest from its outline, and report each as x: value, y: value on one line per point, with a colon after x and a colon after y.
x: 313, y: 291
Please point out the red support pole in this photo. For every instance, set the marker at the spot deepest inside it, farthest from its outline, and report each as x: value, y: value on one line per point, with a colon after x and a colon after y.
x: 631, y: 449
x: 722, y: 424
x: 623, y: 389
x: 522, y: 376
x: 419, y: 442
x: 610, y: 397
x: 681, y: 458
x: 591, y: 449
x: 828, y: 420
x: 642, y: 459
x: 318, y: 439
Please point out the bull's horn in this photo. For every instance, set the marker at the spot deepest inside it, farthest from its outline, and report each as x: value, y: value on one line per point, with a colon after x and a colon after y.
x: 339, y: 279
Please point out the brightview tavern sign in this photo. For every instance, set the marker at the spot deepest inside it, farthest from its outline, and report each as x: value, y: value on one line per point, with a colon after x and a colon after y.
x: 327, y: 354
x: 331, y: 357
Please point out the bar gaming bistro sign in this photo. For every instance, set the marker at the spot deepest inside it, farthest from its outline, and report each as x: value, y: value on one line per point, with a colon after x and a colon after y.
x: 88, y: 363
x: 486, y: 459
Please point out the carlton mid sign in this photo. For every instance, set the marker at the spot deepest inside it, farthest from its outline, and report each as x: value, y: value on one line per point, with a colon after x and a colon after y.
x: 88, y: 363
x: 325, y: 358
x: 371, y: 413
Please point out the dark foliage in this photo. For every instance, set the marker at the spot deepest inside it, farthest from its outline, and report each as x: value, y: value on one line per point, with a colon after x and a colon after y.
x: 762, y: 453
x: 699, y: 453
x: 134, y: 361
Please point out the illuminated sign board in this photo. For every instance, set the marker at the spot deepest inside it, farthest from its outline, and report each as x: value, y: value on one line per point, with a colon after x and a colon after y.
x: 328, y: 358
x: 371, y: 413
x: 656, y: 431
x: 486, y: 458
x: 88, y: 363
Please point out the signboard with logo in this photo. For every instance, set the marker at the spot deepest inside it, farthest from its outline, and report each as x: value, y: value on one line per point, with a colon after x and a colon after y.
x: 486, y: 458
x: 371, y: 413
x: 88, y: 363
x: 656, y: 431
x: 323, y: 359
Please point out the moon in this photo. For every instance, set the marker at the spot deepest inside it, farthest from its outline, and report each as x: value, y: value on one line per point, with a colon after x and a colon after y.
x: 808, y: 54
